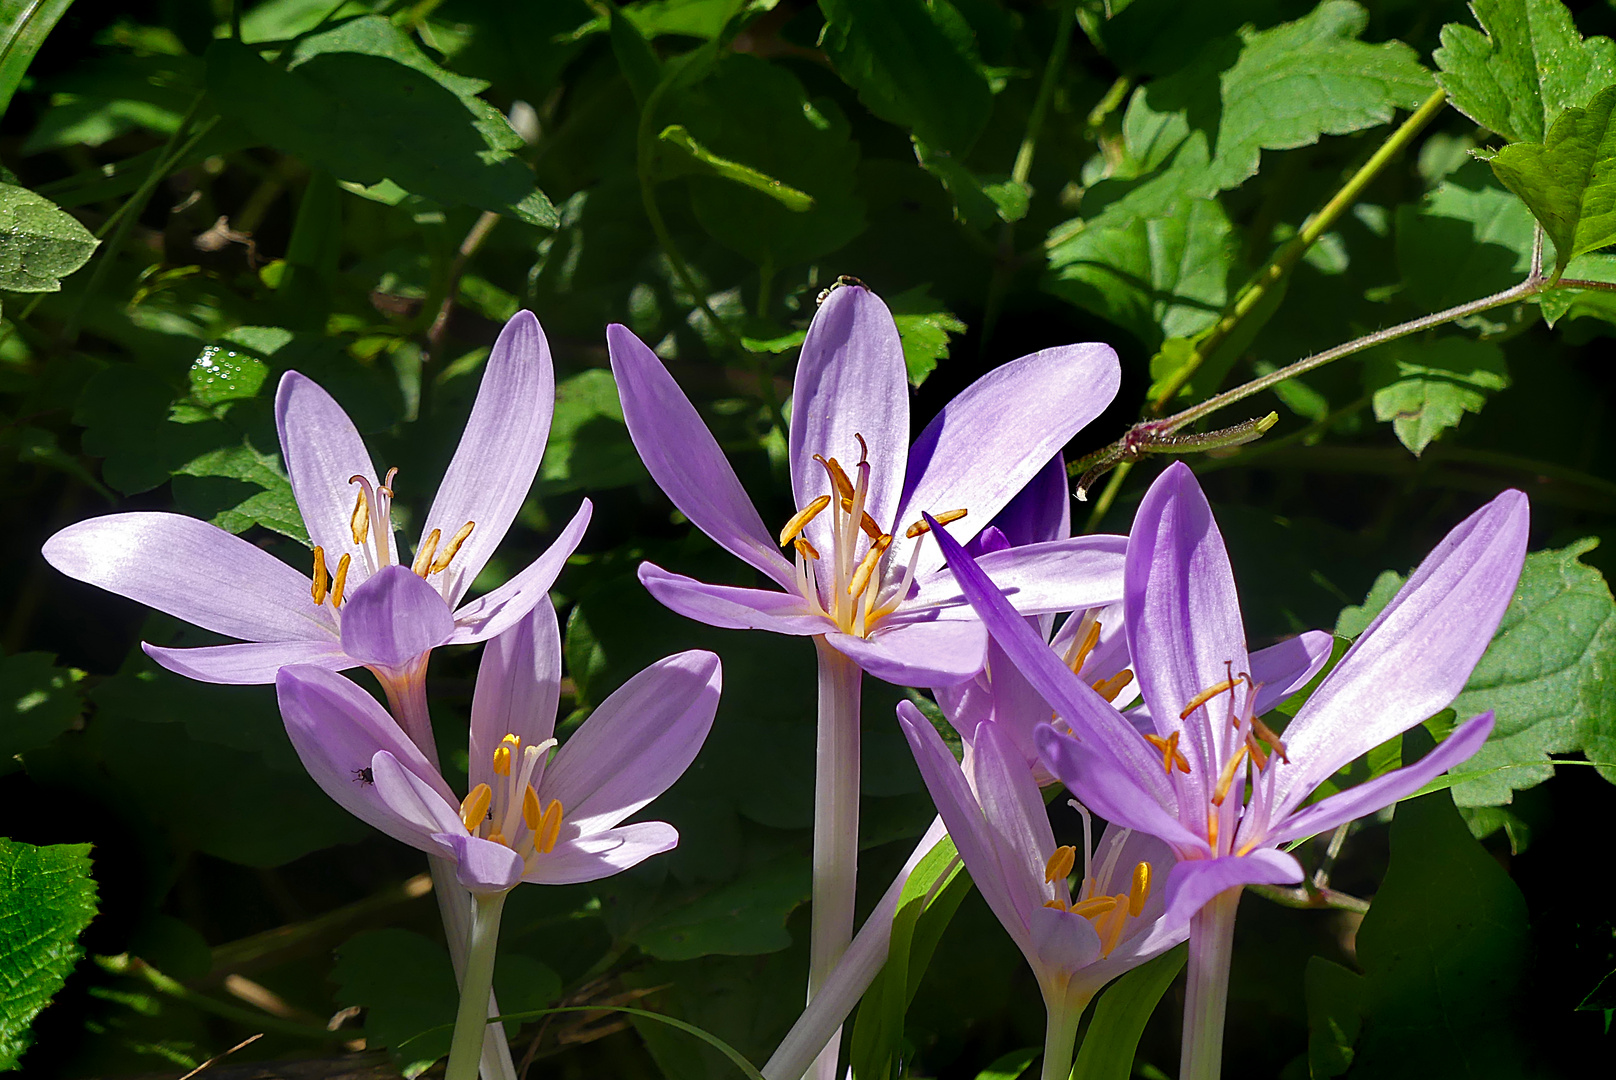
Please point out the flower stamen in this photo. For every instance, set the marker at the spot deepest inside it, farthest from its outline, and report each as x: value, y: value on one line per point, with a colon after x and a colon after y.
x: 1116, y: 684
x: 838, y: 476
x: 866, y: 567
x: 1059, y: 866
x: 799, y: 521
x: 1139, y: 891
x: 549, y: 830
x: 474, y: 807
x: 341, y: 581
x: 423, y: 558
x: 1226, y: 779
x: 441, y: 563
x: 322, y: 576
x: 1207, y: 695
x: 1266, y: 734
x: 359, y: 520
x: 1086, y: 646
x: 1171, y: 754
x: 805, y: 549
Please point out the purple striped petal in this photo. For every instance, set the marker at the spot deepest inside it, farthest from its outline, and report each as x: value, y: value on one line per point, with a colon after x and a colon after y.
x: 851, y: 381
x: 1184, y: 627
x: 1376, y: 794
x: 940, y: 652
x: 322, y: 449
x: 1062, y: 941
x: 731, y: 606
x: 482, y: 866
x: 499, y: 452
x: 1041, y: 511
x: 194, y: 571
x: 637, y: 743
x: 993, y: 438
x: 684, y: 459
x: 1058, y: 575
x: 394, y: 618
x: 958, y: 808
x: 1195, y: 881
x: 413, y: 799
x: 1415, y: 657
x: 1281, y: 670
x: 518, y: 688
x: 1015, y: 815
x: 499, y: 609
x: 338, y: 731
x: 1114, y: 791
x: 252, y: 663
x: 590, y: 858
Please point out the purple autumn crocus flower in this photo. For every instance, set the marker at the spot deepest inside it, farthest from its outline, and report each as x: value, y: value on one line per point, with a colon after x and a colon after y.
x: 357, y: 606
x: 529, y: 816
x: 1075, y: 941
x: 1211, y: 779
x: 864, y: 583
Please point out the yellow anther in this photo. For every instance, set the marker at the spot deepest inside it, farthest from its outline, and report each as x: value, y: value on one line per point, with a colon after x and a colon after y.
x: 322, y: 576
x: 1139, y: 891
x: 1226, y: 778
x: 1171, y: 754
x: 1266, y: 734
x: 866, y: 566
x: 866, y: 522
x: 499, y: 838
x: 1094, y: 908
x: 920, y: 528
x: 359, y: 522
x: 531, y: 814
x: 1090, y: 639
x: 804, y: 548
x: 429, y: 548
x: 341, y: 581
x: 502, y: 761
x: 799, y: 521
x: 1207, y: 695
x: 446, y: 556
x: 1212, y: 830
x: 549, y: 828
x: 1058, y: 905
x: 1059, y: 866
x: 1257, y: 754
x: 475, y: 807
x: 948, y: 517
x: 1118, y: 919
x: 1110, y: 688
x: 838, y: 476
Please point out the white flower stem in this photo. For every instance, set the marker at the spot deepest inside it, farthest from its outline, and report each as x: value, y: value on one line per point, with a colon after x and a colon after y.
x: 836, y: 806
x: 472, y: 1020
x: 1063, y: 1011
x: 406, y: 698
x: 1206, y: 995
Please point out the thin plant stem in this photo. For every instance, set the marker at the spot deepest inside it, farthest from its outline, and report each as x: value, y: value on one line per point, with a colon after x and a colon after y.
x: 1286, y: 258
x: 1060, y: 1033
x: 836, y: 808
x: 476, y: 987
x: 1206, y: 993
x: 1102, y: 505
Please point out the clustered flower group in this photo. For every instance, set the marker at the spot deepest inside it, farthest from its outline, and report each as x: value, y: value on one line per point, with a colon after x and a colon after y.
x: 946, y: 564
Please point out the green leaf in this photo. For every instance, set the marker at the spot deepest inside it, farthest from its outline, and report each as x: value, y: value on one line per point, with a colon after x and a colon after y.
x: 1546, y: 674
x: 1273, y: 89
x: 1010, y: 1066
x: 746, y: 917
x: 927, y: 902
x: 24, y: 25
x: 735, y: 1057
x: 39, y: 243
x: 1354, y: 620
x: 705, y: 161
x: 755, y: 112
x: 406, y: 985
x: 914, y: 64
x: 1157, y: 277
x: 363, y: 102
x: 979, y: 201
x: 38, y: 701
x: 1469, y: 220
x: 1424, y: 386
x: 923, y: 325
x: 47, y: 898
x: 1569, y: 180
x: 1334, y: 1017
x: 1120, y: 1017
x: 1444, y: 950
x: 1528, y: 68
x: 1572, y: 302
x: 589, y: 446
x: 111, y: 96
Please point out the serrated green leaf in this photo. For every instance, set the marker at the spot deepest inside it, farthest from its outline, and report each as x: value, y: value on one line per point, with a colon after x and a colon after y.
x: 1119, y: 1019
x: 406, y: 985
x: 751, y: 111
x: 38, y: 701
x: 1425, y: 386
x: 1569, y: 180
x: 39, y: 243
x: 914, y: 64
x: 924, y: 325
x: 364, y: 103
x: 1158, y: 277
x: 1528, y: 67
x: 1273, y: 89
x: 1443, y: 949
x: 24, y: 25
x: 47, y: 898
x: 1469, y: 220
x: 1545, y: 676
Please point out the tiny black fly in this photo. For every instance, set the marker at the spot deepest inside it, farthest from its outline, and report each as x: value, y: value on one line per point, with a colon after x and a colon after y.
x: 364, y: 776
